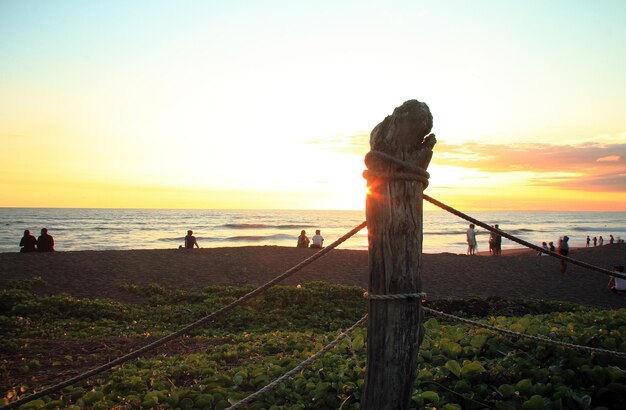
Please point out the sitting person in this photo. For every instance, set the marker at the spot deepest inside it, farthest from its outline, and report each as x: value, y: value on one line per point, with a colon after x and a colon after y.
x: 303, y: 241
x: 317, y: 240
x: 190, y: 240
x: 45, y: 242
x: 617, y: 285
x: 28, y: 242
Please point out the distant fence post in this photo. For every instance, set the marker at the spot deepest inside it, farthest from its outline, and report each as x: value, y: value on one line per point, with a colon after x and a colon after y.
x: 400, y: 146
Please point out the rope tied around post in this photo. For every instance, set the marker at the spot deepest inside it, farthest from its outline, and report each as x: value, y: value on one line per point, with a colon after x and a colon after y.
x: 411, y: 172
x: 396, y: 296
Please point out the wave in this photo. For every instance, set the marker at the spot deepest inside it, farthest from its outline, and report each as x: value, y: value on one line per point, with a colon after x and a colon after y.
x: 266, y: 226
x: 245, y: 226
x: 597, y: 229
x: 480, y: 231
x: 239, y: 238
x: 259, y: 238
x: 298, y: 227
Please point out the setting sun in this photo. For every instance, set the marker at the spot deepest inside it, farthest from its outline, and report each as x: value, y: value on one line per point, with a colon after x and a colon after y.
x: 275, y: 111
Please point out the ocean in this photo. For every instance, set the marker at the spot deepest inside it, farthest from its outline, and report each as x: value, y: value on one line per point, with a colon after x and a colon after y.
x: 120, y: 229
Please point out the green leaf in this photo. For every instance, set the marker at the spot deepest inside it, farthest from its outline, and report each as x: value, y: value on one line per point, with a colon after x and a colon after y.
x: 431, y: 396
x: 524, y: 386
x: 452, y: 349
x: 506, y: 390
x: 358, y: 343
x: 471, y: 368
x: 454, y: 367
x: 479, y: 341
x: 536, y: 402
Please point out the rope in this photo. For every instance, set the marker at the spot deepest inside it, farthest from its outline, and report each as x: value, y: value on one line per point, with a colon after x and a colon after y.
x: 409, y: 296
x: 199, y: 322
x: 521, y: 241
x: 539, y: 339
x: 415, y: 173
x: 298, y: 368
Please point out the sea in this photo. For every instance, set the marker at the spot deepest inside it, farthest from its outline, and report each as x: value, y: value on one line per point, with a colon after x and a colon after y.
x: 123, y: 229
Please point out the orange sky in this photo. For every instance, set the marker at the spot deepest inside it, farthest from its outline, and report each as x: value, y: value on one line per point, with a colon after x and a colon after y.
x: 199, y: 104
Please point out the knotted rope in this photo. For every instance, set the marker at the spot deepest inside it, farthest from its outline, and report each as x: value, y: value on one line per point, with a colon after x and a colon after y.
x: 411, y: 172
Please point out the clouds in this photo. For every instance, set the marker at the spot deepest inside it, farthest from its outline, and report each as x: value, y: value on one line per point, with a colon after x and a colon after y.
x: 586, y: 166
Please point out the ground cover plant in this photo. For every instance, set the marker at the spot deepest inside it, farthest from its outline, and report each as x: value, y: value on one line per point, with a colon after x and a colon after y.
x: 48, y: 339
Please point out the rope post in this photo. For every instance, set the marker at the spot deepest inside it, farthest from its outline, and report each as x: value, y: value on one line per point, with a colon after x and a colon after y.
x: 401, y: 149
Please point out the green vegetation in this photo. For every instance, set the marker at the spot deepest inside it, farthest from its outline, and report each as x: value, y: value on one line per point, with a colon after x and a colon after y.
x: 47, y: 339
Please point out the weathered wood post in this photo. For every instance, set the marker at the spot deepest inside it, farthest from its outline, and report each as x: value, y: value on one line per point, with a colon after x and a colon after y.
x: 401, y: 149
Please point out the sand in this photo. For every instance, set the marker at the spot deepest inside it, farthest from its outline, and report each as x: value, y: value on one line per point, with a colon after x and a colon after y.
x: 517, y: 274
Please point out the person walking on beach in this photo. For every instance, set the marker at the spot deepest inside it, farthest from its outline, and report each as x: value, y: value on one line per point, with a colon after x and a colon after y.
x: 317, y: 240
x: 470, y: 236
x: 595, y: 241
x: 588, y: 241
x: 563, y: 250
x: 600, y: 241
x: 611, y: 239
x: 303, y: 241
x: 28, y: 242
x: 45, y: 242
x: 190, y: 240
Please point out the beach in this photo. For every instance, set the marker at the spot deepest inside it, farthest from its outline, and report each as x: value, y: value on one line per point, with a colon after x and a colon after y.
x: 519, y: 273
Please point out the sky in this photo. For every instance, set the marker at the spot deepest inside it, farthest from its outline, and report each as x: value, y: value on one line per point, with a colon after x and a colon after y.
x: 269, y: 104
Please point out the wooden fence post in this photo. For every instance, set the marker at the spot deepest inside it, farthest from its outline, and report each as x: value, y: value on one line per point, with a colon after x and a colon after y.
x: 394, y: 209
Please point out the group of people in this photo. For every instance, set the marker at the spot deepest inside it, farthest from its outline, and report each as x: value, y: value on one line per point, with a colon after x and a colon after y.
x: 599, y: 241
x: 495, y: 241
x: 45, y: 242
x: 549, y: 246
x: 562, y: 249
x: 316, y: 240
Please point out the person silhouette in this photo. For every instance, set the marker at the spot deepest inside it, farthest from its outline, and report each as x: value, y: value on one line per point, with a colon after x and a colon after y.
x: 303, y: 241
x: 28, y: 242
x: 317, y: 240
x: 45, y: 242
x: 497, y: 242
x: 190, y: 240
x: 563, y: 250
x: 470, y: 237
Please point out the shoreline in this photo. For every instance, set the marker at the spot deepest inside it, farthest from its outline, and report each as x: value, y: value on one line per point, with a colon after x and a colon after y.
x: 517, y: 251
x: 519, y: 274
